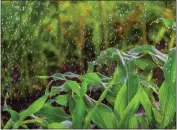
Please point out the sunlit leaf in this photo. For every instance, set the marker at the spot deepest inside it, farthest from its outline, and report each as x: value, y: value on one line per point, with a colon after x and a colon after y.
x: 62, y: 99
x: 35, y: 107
x: 43, y: 77
x: 83, y: 88
x: 78, y: 113
x: 167, y: 92
x: 130, y: 110
x: 133, y: 122
x: 91, y: 78
x: 142, y: 121
x: 56, y: 125
x: 73, y: 86
x: 101, y: 115
x: 146, y: 103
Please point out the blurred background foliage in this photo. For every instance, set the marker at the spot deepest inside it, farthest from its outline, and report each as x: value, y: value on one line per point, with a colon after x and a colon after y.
x: 42, y: 38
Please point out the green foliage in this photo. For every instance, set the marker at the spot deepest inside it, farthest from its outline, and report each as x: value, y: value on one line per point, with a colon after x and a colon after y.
x: 56, y: 125
x: 62, y: 99
x: 126, y: 91
x: 167, y: 91
x: 39, y: 37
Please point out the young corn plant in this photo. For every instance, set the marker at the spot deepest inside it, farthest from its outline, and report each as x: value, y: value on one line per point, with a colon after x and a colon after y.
x: 126, y: 91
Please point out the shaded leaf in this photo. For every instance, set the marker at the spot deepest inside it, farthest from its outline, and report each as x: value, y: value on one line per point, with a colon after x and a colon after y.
x: 58, y: 76
x: 70, y: 75
x: 53, y: 114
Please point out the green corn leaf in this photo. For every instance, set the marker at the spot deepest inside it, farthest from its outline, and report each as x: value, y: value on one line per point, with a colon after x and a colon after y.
x: 157, y: 56
x: 62, y: 99
x: 146, y: 103
x: 9, y: 124
x: 35, y: 107
x: 170, y: 23
x: 149, y: 85
x: 121, y: 78
x: 155, y: 119
x: 108, y: 56
x: 88, y: 118
x: 56, y: 90
x: 167, y: 92
x: 83, y: 88
x: 130, y: 111
x: 111, y: 55
x: 157, y: 115
x: 160, y: 34
x: 110, y: 98
x: 56, y: 125
x: 24, y: 126
x: 92, y: 78
x: 40, y: 121
x: 132, y: 81
x: 145, y: 63
x: 149, y: 77
x: 143, y: 122
x: 101, y: 115
x: 53, y: 114
x: 103, y: 77
x: 133, y: 122
x: 71, y: 104
x: 120, y: 104
x: 58, y: 76
x: 72, y: 85
x: 14, y: 115
x: 70, y: 75
x: 79, y: 113
x: 127, y: 91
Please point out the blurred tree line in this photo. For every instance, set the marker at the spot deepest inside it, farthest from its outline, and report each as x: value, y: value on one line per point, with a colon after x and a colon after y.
x: 41, y: 38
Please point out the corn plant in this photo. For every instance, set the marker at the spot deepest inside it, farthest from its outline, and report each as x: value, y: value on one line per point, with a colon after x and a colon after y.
x: 125, y: 91
x: 75, y: 30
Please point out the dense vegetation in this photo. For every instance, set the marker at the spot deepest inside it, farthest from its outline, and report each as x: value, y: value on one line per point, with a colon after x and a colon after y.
x: 125, y: 91
x: 92, y: 64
